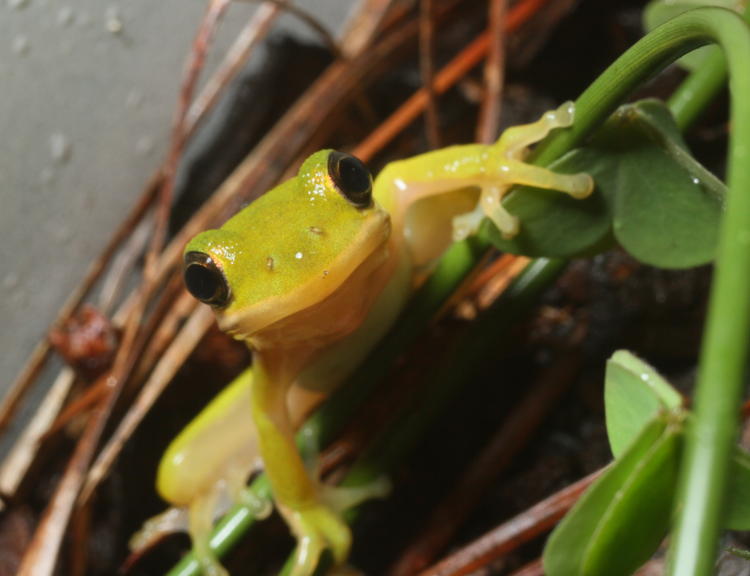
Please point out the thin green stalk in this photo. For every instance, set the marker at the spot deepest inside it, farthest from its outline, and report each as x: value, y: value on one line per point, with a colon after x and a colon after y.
x: 693, y: 96
x: 705, y: 472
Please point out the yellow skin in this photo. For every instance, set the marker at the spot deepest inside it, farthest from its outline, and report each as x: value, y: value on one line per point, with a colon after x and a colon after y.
x: 310, y: 276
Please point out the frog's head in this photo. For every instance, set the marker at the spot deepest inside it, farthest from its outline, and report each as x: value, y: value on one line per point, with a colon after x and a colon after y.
x: 290, y: 249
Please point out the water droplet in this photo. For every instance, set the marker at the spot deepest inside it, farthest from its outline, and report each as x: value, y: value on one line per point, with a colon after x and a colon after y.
x: 113, y: 20
x: 645, y: 377
x: 47, y: 175
x: 134, y: 99
x: 17, y: 4
x: 144, y: 145
x: 65, y: 16
x: 60, y: 147
x: 62, y: 234
x: 10, y: 281
x: 21, y: 45
x: 696, y: 180
x: 83, y: 19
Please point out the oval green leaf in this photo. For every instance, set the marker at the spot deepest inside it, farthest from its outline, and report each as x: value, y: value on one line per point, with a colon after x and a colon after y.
x: 651, y: 196
x: 618, y: 523
x: 634, y: 393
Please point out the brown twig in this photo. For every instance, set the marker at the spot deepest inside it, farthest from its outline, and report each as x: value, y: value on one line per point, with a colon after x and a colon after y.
x: 445, y: 79
x: 364, y: 25
x: 25, y: 449
x: 42, y: 554
x: 246, y: 41
x: 494, y: 65
x: 427, y: 71
x: 170, y: 362
x: 533, y: 568
x: 509, y: 440
x: 511, y: 534
x: 40, y: 354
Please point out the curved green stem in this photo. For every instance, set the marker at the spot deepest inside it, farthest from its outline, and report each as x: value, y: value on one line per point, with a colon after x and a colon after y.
x: 705, y: 470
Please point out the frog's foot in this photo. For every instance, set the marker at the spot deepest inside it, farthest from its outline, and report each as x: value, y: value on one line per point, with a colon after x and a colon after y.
x: 154, y: 529
x: 342, y: 498
x: 317, y: 528
x: 514, y: 141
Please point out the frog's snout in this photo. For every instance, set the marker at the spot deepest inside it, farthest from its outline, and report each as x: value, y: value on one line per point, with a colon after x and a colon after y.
x: 205, y: 279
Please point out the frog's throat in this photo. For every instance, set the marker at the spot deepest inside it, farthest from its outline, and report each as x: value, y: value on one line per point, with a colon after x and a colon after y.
x: 369, y: 246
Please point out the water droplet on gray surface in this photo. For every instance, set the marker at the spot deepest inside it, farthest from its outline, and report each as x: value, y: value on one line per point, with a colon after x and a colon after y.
x: 65, y: 16
x: 10, y: 281
x: 60, y: 147
x: 113, y: 20
x: 47, y: 175
x: 21, y: 45
x: 134, y: 99
x: 17, y: 4
x: 144, y: 145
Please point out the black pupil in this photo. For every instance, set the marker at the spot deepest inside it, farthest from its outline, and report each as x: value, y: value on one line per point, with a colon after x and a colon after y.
x: 205, y: 280
x: 352, y: 178
x: 201, y: 281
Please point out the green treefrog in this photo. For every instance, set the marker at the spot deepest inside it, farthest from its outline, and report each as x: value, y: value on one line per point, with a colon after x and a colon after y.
x: 310, y: 276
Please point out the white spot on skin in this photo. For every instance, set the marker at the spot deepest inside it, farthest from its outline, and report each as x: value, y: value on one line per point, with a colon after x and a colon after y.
x: 299, y: 255
x: 21, y: 45
x: 400, y: 184
x: 60, y: 147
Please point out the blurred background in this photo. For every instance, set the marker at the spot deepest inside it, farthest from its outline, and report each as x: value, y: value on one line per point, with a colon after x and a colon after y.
x: 87, y: 94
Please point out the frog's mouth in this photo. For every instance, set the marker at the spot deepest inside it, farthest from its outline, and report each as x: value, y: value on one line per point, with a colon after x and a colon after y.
x: 295, y: 314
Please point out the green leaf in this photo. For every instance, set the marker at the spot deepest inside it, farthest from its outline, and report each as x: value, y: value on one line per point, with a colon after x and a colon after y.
x: 659, y: 11
x: 620, y: 521
x: 634, y: 393
x: 651, y: 195
x: 667, y: 206
x: 738, y: 502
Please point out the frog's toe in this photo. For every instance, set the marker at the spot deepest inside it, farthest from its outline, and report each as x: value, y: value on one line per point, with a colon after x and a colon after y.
x: 341, y: 498
x: 318, y: 528
x: 466, y: 224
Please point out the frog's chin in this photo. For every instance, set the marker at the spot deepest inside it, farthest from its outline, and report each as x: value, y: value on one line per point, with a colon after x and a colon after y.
x: 324, y: 308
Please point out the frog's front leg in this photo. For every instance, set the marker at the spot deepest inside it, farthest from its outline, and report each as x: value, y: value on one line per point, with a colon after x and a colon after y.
x: 506, y: 168
x: 314, y: 525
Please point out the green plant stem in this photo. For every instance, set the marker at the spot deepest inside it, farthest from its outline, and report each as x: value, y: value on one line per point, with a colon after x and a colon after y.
x: 693, y: 96
x: 705, y: 472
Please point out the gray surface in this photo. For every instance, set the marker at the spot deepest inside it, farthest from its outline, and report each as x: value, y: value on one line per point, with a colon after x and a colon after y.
x: 87, y: 92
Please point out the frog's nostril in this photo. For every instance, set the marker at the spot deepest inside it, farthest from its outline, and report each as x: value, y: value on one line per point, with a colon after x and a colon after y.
x: 205, y: 280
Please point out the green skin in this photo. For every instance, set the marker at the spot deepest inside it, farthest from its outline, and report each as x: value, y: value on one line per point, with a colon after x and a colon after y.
x: 314, y: 282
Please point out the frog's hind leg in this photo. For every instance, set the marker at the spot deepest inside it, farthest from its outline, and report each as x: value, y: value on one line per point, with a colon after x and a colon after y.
x: 201, y: 519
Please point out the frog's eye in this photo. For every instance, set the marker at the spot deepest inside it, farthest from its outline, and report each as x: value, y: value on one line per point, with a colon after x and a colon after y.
x: 351, y: 177
x: 205, y: 280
